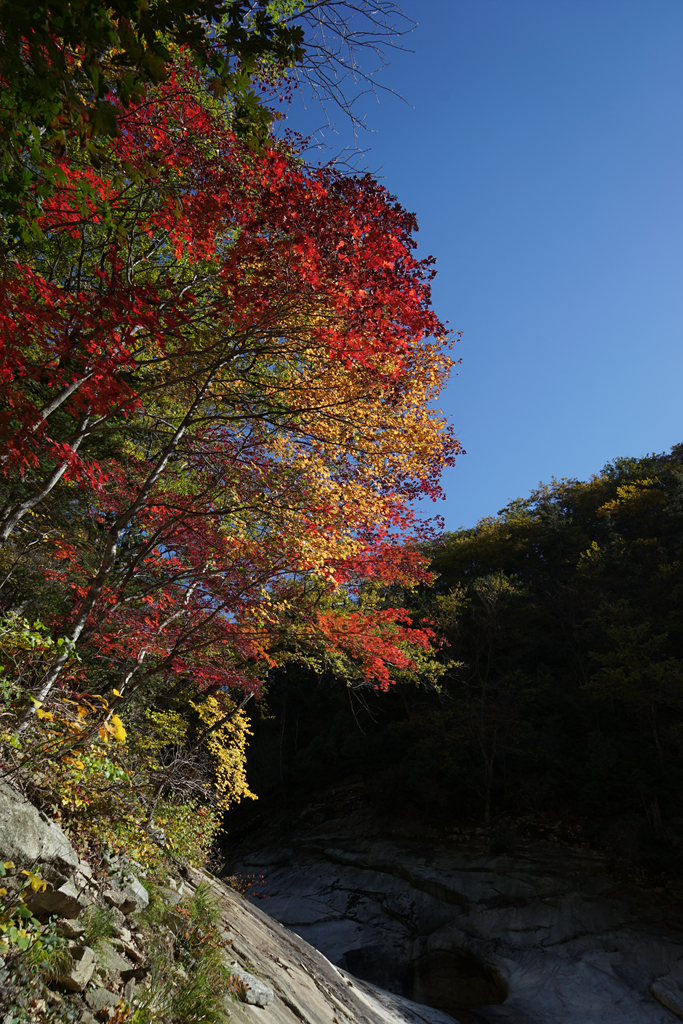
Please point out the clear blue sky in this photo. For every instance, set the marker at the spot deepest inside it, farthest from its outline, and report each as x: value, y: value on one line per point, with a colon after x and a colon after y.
x: 543, y: 156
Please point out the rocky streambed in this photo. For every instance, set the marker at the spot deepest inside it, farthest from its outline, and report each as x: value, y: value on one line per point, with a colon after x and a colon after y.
x: 544, y: 935
x: 275, y: 977
x: 358, y: 926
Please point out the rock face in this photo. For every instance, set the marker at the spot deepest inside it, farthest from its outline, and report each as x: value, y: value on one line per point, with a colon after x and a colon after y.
x: 434, y: 929
x: 283, y: 979
x: 669, y: 990
x: 29, y: 838
x: 542, y: 937
x: 32, y: 841
x: 67, y: 900
x: 253, y: 990
x: 306, y: 988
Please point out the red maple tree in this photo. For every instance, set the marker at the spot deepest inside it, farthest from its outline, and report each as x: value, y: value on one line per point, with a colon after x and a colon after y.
x: 234, y: 363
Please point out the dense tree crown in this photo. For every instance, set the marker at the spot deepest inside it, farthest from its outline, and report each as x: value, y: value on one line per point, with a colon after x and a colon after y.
x: 561, y: 703
x: 219, y: 369
x: 69, y: 67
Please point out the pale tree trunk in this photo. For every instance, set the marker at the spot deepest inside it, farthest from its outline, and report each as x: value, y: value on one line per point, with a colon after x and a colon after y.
x: 15, y: 515
x: 48, y: 409
x: 111, y: 546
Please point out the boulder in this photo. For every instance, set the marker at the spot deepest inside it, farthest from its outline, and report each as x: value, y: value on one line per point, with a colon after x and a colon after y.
x: 110, y: 960
x: 101, y: 998
x: 31, y: 840
x: 81, y: 969
x: 252, y: 990
x: 114, y: 897
x: 130, y: 897
x: 69, y: 927
x: 67, y: 901
x: 669, y: 990
x: 137, y: 897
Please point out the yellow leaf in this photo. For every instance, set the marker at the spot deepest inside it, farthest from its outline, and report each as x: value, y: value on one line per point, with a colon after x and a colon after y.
x: 116, y: 693
x: 116, y: 729
x: 35, y: 880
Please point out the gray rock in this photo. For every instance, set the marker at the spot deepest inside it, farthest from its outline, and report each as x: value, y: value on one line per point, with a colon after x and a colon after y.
x: 100, y: 998
x: 178, y: 923
x: 109, y: 959
x: 87, y: 1018
x: 69, y: 927
x: 253, y: 990
x: 137, y: 897
x: 669, y: 990
x: 53, y: 998
x: 122, y: 941
x: 158, y: 836
x: 119, y: 926
x: 67, y: 900
x: 135, y: 973
x: 127, y: 949
x: 131, y: 897
x: 170, y: 896
x: 115, y: 898
x: 30, y: 839
x: 541, y: 936
x: 83, y: 964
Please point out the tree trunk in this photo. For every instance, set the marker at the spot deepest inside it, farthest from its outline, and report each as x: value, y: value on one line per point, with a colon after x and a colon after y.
x: 11, y: 519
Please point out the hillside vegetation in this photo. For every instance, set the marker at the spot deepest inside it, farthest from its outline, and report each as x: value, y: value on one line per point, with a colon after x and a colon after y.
x: 560, y: 710
x: 218, y: 368
x: 218, y: 373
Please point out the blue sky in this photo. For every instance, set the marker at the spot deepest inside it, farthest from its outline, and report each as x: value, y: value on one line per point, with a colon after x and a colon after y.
x: 542, y: 152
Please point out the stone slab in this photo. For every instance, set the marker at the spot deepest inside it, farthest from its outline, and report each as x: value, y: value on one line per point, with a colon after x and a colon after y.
x: 669, y: 991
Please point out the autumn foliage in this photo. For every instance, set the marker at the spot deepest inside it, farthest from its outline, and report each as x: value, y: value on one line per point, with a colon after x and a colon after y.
x: 217, y: 408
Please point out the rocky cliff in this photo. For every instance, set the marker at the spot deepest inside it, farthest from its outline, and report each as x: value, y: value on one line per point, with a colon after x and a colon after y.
x: 273, y: 976
x: 385, y: 929
x: 543, y: 935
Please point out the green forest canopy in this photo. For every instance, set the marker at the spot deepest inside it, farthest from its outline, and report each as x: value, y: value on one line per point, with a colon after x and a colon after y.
x: 563, y: 687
